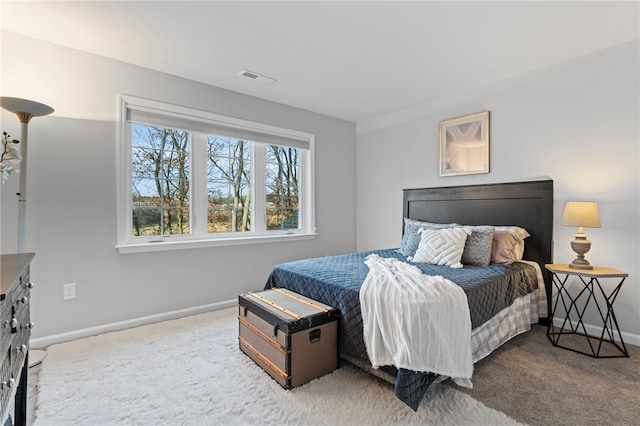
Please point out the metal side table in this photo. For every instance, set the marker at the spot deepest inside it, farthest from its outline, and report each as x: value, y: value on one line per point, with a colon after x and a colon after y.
x: 592, y: 288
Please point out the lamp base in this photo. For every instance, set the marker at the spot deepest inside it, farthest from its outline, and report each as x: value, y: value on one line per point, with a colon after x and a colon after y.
x: 580, y: 246
x: 582, y: 266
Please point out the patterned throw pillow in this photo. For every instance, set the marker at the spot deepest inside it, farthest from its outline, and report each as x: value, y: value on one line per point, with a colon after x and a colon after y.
x: 411, y: 238
x: 477, y: 249
x: 441, y: 246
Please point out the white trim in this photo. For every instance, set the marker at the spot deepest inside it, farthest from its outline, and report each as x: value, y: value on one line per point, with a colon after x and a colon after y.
x: 166, y: 244
x: 42, y: 342
x: 123, y: 179
x: 592, y: 330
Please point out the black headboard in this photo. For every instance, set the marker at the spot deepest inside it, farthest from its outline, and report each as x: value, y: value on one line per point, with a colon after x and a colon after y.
x: 525, y: 204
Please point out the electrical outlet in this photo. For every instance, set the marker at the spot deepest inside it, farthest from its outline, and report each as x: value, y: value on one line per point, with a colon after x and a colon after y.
x: 69, y: 291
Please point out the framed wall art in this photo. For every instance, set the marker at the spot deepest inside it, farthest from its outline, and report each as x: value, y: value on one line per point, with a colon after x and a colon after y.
x: 464, y: 145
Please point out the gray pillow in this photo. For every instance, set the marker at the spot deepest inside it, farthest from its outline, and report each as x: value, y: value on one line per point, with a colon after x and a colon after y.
x: 477, y: 249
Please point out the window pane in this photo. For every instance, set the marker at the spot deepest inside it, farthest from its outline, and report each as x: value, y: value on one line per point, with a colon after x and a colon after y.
x: 160, y: 181
x: 176, y: 220
x: 146, y: 220
x: 228, y: 184
x: 143, y: 161
x: 283, y: 170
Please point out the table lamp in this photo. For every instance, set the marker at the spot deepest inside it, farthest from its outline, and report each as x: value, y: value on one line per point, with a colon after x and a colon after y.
x: 583, y: 214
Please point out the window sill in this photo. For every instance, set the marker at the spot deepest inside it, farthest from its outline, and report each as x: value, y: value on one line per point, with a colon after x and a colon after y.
x: 193, y: 244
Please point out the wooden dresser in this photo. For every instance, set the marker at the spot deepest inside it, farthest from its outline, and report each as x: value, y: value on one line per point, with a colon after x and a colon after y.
x: 15, y: 330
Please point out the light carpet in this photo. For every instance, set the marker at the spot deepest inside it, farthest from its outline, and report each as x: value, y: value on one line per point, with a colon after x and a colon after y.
x: 190, y: 371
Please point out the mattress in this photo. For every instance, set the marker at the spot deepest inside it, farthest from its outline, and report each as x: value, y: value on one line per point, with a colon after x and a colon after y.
x: 336, y: 281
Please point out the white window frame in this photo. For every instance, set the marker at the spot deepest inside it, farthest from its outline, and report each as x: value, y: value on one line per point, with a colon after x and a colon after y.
x: 269, y: 134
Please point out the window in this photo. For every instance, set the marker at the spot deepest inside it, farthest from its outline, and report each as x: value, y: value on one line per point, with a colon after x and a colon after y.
x: 228, y: 184
x: 191, y: 178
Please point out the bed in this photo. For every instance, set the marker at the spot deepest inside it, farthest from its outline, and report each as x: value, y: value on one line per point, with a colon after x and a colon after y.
x: 504, y: 299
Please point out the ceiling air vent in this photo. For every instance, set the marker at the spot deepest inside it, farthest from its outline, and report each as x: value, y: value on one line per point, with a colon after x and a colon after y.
x: 257, y: 77
x: 248, y: 74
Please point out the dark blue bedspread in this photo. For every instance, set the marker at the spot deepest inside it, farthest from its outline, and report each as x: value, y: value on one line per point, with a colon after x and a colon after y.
x: 336, y: 281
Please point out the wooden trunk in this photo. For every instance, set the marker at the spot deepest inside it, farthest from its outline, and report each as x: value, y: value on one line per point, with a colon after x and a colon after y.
x: 292, y: 337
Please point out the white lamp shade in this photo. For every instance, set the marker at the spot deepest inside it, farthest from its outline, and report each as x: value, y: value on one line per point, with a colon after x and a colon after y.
x: 581, y: 213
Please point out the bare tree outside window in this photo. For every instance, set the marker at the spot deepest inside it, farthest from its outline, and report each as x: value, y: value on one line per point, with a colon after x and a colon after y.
x: 160, y: 181
x: 228, y: 185
x: 282, y: 187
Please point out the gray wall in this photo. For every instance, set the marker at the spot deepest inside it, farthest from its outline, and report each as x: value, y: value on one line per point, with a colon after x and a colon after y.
x: 576, y: 122
x: 71, y: 218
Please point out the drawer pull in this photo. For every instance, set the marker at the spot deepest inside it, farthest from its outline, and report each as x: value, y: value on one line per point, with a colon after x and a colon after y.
x: 29, y: 285
x: 13, y: 323
x: 24, y: 299
x: 30, y: 325
x: 9, y: 383
x: 21, y: 349
x: 314, y: 335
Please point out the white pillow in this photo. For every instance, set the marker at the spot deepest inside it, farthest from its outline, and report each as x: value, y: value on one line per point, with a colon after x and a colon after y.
x: 441, y: 246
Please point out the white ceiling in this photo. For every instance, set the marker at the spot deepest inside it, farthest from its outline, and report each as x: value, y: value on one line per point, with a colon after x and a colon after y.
x: 350, y: 60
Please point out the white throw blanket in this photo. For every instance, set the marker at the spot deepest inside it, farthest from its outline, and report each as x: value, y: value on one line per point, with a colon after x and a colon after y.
x: 415, y: 321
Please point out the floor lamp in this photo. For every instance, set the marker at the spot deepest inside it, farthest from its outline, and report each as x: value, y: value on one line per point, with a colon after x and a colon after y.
x: 25, y: 110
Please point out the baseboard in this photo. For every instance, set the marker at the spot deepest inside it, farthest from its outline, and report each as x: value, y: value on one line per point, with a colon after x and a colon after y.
x: 631, y: 339
x: 42, y: 342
